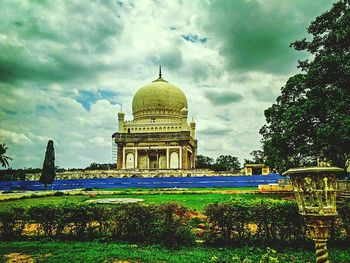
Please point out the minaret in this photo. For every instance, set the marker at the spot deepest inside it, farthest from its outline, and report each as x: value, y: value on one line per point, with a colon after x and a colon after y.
x: 193, y: 129
x: 183, y: 114
x: 121, y: 116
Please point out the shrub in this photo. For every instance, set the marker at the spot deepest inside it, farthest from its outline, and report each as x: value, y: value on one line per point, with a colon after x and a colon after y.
x: 176, y: 229
x: 12, y: 222
x: 137, y: 223
x: 228, y: 222
x: 79, y: 219
x: 234, y: 222
x: 48, y: 218
x: 344, y: 215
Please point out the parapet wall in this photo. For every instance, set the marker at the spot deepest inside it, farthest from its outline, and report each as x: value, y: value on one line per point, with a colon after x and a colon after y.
x: 90, y: 174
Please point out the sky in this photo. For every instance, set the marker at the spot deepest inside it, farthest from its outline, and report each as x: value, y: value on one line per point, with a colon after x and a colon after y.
x: 66, y: 67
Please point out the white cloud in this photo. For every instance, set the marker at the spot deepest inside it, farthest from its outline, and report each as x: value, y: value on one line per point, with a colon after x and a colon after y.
x: 16, y: 138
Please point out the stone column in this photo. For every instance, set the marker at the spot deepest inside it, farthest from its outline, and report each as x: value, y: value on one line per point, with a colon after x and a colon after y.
x: 136, y: 158
x: 120, y: 156
x: 167, y: 158
x: 185, y: 157
x: 180, y: 157
x: 147, y: 160
x: 123, y: 166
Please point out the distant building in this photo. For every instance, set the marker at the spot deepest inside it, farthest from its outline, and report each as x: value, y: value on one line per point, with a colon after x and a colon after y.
x: 256, y: 169
x: 159, y: 136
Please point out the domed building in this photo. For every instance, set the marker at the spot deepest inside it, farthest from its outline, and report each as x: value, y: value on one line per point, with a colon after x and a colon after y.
x: 159, y: 136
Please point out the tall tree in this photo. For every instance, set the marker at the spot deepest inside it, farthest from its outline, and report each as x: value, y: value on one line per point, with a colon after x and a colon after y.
x: 48, y: 172
x: 4, y: 159
x: 311, y: 118
x: 227, y: 163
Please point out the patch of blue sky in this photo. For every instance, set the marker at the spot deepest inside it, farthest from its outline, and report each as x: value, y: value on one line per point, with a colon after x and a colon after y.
x: 87, y: 98
x: 194, y: 38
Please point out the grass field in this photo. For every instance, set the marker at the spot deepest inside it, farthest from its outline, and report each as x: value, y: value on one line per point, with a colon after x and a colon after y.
x: 49, y: 251
x: 195, y: 199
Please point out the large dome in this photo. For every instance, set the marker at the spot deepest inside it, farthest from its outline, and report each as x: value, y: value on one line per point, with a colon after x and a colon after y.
x: 158, y: 99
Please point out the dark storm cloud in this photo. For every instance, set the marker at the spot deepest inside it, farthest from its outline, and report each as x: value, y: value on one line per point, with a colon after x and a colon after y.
x: 58, y: 41
x: 223, y: 98
x: 256, y: 35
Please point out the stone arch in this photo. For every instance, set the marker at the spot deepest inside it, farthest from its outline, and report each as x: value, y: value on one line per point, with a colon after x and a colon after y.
x: 174, y: 160
x: 130, y: 161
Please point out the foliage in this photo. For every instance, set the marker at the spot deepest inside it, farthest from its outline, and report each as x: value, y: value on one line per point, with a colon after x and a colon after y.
x: 222, y: 163
x: 100, y: 166
x: 95, y: 251
x: 232, y: 222
x: 311, y: 118
x: 344, y: 215
x: 48, y: 172
x: 204, y: 162
x: 238, y: 222
x: 137, y: 223
x: 176, y: 230
x: 3, y: 157
x: 12, y: 222
x: 258, y: 157
x: 48, y: 218
x: 226, y: 163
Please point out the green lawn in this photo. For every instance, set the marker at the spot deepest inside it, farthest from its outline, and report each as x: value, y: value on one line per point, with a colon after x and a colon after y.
x: 195, y: 201
x: 49, y: 251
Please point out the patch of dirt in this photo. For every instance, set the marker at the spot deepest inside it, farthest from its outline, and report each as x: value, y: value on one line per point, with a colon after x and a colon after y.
x: 18, y: 257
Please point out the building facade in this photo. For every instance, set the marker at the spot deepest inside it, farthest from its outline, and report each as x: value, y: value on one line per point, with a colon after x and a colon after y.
x: 159, y: 136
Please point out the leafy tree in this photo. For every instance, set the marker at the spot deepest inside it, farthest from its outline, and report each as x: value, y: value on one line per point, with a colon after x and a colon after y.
x: 48, y: 172
x: 204, y: 162
x: 3, y: 157
x: 311, y: 118
x: 258, y: 157
x: 100, y: 166
x: 227, y: 163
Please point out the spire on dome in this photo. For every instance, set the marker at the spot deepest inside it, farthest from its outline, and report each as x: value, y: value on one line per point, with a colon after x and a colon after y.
x: 160, y: 71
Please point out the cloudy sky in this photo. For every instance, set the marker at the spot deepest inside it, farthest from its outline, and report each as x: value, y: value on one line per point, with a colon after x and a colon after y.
x: 67, y: 66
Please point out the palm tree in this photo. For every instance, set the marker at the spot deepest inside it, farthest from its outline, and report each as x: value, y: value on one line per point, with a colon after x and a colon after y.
x: 4, y: 158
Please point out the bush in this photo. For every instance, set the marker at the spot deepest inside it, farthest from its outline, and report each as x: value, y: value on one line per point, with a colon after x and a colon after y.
x: 137, y: 223
x: 167, y: 224
x: 228, y: 222
x: 344, y: 215
x: 48, y: 218
x: 176, y: 229
x: 12, y: 222
x: 79, y: 219
x: 265, y: 221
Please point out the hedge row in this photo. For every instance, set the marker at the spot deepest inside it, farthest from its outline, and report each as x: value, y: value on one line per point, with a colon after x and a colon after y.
x: 266, y: 221
x: 229, y: 223
x: 166, y: 224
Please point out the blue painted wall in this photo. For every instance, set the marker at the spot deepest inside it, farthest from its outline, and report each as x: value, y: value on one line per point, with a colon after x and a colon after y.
x: 167, y: 182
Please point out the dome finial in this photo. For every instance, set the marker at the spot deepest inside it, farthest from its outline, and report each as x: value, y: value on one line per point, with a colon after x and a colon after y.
x: 160, y: 71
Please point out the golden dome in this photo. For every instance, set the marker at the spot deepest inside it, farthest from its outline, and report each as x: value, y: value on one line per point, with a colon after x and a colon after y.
x: 158, y: 99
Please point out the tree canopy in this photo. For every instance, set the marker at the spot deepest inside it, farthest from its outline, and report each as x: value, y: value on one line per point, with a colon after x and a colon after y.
x: 311, y: 118
x: 4, y: 159
x: 221, y: 163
